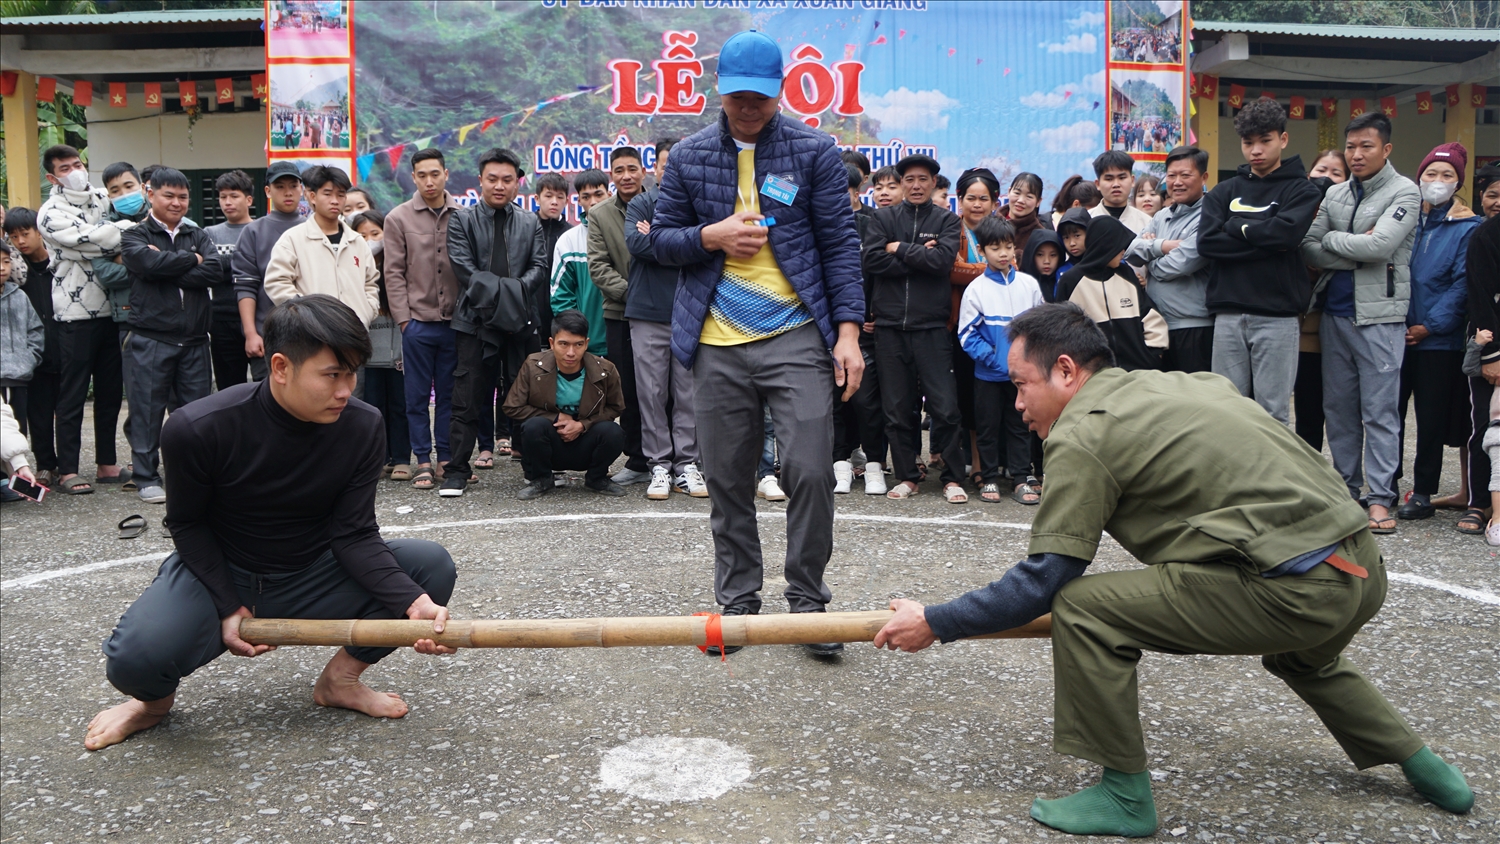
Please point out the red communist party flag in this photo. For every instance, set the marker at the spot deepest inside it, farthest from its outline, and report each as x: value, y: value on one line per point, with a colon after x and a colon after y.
x: 1477, y: 95
x: 46, y: 89
x: 8, y: 82
x: 153, y: 95
x: 1388, y: 106
x: 1236, y: 96
x: 83, y: 93
x: 1424, y: 102
x: 1356, y: 108
x: 1452, y: 92
x: 1299, y: 108
x: 224, y: 89
x: 188, y: 91
x: 117, y: 97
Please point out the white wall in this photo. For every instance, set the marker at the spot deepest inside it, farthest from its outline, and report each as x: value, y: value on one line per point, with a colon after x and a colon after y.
x: 219, y: 140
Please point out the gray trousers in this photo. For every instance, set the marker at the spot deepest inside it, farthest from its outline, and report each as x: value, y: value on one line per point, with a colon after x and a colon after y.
x: 163, y: 377
x: 1361, y: 397
x: 669, y: 440
x: 173, y: 629
x: 793, y: 373
x: 1259, y: 354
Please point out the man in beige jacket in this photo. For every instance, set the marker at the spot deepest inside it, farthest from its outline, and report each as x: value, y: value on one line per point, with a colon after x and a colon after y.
x: 323, y: 255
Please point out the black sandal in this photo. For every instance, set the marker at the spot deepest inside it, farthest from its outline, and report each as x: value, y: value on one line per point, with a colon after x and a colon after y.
x: 1471, y: 522
x: 132, y: 526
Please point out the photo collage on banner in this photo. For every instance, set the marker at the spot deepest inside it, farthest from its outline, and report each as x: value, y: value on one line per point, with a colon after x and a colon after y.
x: 1147, y: 76
x: 310, y: 63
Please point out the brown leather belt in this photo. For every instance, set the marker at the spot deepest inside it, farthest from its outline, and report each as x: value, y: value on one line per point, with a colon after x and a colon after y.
x: 1347, y: 567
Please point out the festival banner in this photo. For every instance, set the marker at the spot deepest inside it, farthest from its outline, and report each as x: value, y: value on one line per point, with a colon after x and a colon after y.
x: 1009, y: 86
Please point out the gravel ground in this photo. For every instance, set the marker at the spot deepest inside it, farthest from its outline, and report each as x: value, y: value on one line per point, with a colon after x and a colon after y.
x: 593, y: 745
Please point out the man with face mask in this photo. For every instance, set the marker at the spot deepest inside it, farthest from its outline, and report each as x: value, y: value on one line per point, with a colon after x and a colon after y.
x: 76, y: 229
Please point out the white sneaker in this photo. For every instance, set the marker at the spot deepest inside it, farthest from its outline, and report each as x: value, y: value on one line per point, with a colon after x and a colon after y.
x: 626, y: 477
x: 874, y: 479
x: 843, y: 476
x: 661, y: 484
x: 769, y: 489
x: 691, y: 481
x: 153, y: 494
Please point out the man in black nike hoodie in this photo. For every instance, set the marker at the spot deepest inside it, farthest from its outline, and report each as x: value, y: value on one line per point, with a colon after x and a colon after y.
x: 1251, y: 230
x: 908, y: 252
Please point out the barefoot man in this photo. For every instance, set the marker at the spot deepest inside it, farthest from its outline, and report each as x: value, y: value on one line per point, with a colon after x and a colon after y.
x: 1251, y: 543
x: 271, y: 504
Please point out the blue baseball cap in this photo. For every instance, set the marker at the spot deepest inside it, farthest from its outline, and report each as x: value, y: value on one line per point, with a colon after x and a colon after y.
x: 750, y: 61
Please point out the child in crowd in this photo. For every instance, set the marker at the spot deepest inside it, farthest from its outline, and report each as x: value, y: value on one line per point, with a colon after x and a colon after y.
x: 1043, y: 261
x: 1072, y: 229
x: 887, y: 184
x: 1106, y: 288
x: 989, y: 304
x: 1473, y: 348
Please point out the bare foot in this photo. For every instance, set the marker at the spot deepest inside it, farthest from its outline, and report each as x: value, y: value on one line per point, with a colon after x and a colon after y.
x: 108, y: 472
x: 117, y: 723
x: 1457, y: 501
x: 339, y: 686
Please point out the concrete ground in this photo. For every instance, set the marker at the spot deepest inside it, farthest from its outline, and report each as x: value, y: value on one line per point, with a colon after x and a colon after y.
x: 775, y: 746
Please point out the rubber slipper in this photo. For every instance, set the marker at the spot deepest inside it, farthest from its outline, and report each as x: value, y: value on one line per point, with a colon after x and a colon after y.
x: 955, y: 494
x: 1379, y: 525
x: 117, y: 479
x: 132, y: 526
x: 1472, y: 522
x: 71, y: 486
x: 1023, y: 490
x: 482, y: 462
x: 989, y: 489
x: 401, y: 472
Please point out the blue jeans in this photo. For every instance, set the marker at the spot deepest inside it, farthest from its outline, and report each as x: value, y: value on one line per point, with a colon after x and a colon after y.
x: 428, y: 351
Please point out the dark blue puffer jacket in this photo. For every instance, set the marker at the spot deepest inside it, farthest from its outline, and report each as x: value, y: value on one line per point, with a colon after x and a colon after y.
x: 814, y: 240
x: 1439, y: 279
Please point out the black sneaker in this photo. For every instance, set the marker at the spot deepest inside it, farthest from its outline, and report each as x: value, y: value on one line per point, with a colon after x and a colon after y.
x: 609, y: 488
x: 536, y: 489
x: 738, y: 609
x: 453, y: 486
x: 1416, y: 508
x: 824, y: 649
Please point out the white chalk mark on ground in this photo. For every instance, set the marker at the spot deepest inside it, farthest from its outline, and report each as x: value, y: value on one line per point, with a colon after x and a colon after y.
x: 671, y: 769
x: 38, y: 578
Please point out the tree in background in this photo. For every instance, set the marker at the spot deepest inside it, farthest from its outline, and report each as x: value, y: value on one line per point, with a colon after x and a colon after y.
x: 1456, y: 14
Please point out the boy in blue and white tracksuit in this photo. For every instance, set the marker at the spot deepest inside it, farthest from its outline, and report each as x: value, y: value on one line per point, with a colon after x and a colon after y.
x: 990, y: 303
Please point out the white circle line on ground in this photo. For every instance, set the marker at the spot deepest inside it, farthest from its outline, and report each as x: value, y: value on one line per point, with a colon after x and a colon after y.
x: 38, y: 578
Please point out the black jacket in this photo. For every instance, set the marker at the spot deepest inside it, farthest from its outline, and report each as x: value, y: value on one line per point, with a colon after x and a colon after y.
x: 168, y: 285
x: 653, y: 286
x: 471, y: 235
x: 1483, y: 262
x: 1252, y: 230
x: 910, y: 286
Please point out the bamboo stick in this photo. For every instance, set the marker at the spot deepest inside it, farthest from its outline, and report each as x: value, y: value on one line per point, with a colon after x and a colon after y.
x: 645, y: 631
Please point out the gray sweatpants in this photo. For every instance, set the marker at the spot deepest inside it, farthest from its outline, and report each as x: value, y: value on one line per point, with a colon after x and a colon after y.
x: 1361, y: 400
x: 793, y: 373
x: 666, y: 440
x: 1259, y: 354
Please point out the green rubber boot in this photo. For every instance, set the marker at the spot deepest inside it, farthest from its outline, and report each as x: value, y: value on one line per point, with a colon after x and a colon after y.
x: 1438, y: 781
x: 1120, y: 804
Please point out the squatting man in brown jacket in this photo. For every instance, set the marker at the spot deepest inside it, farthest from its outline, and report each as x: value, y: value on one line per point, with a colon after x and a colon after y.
x: 566, y: 401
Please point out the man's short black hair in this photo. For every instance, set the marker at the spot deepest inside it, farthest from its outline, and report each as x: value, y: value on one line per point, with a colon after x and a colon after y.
x: 168, y: 177
x: 118, y: 169
x: 1113, y: 159
x: 302, y: 327
x: 993, y: 230
x: 572, y: 321
x: 370, y: 216
x: 1054, y: 330
x: 883, y: 174
x: 552, y: 182
x: 500, y: 156
x: 942, y: 183
x: 19, y: 219
x: 1085, y: 193
x: 856, y: 177
x: 593, y: 178
x: 623, y: 152
x: 665, y: 144
x: 318, y: 175
x: 1259, y: 117
x: 56, y: 153
x: 917, y: 159
x: 858, y: 159
x: 233, y: 180
x: 1193, y: 154
x: 1371, y: 120
x: 427, y: 155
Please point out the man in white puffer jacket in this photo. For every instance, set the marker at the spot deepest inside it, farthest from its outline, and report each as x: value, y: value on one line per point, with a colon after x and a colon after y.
x: 76, y: 229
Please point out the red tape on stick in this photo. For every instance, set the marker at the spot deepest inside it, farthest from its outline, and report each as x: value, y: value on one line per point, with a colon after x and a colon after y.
x: 713, y: 634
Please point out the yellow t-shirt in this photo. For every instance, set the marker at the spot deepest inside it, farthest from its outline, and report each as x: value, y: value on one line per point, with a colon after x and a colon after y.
x: 753, y: 299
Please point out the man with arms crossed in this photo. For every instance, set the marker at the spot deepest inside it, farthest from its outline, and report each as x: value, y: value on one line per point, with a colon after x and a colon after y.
x: 256, y: 538
x: 1284, y: 568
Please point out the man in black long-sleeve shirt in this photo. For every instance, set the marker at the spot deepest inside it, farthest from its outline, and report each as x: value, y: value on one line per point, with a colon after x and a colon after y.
x: 272, y: 510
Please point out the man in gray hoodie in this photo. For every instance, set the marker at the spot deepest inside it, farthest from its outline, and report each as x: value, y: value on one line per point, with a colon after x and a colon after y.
x: 1176, y: 275
x: 253, y: 253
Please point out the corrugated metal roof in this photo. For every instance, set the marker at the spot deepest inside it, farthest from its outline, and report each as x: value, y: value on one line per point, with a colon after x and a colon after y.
x: 1324, y: 30
x: 142, y: 18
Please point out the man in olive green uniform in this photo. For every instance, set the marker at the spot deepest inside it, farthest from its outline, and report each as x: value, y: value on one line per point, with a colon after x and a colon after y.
x: 1252, y: 546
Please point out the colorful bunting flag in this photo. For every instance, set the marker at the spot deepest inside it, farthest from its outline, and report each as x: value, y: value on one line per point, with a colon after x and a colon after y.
x: 485, y: 126
x: 46, y: 89
x: 83, y: 93
x: 1330, y: 107
x: 394, y: 154
x: 225, y: 89
x: 1452, y: 91
x: 8, y: 82
x: 1477, y: 95
x: 1236, y: 96
x: 463, y: 133
x: 365, y: 163
x: 258, y: 85
x: 1210, y: 87
x: 117, y: 96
